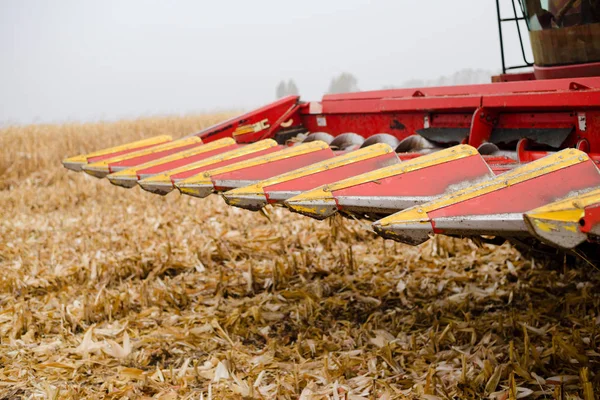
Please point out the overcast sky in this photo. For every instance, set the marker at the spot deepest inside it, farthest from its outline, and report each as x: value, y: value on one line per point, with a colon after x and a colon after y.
x: 77, y: 60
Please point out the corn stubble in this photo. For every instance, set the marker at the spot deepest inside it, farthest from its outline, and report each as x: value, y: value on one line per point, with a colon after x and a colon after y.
x: 121, y: 294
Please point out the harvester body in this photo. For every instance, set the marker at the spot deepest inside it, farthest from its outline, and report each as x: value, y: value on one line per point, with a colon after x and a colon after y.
x: 514, y: 159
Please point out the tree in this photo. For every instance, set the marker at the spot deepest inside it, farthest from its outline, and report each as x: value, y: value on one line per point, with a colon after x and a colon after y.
x: 292, y: 89
x: 280, y: 91
x: 286, y: 89
x: 344, y: 83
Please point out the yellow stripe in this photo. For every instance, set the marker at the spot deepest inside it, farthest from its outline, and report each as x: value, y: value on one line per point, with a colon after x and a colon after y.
x: 158, y: 178
x: 248, y: 149
x: 128, y: 146
x: 411, y: 215
x: 166, y: 146
x: 576, y: 202
x: 320, y: 193
x: 551, y: 225
x: 373, y: 151
x: 290, y: 152
x: 80, y: 159
x: 243, y: 130
x: 571, y: 209
x: 558, y: 223
x: 252, y: 128
x: 546, y: 165
x: 439, y: 157
x: 568, y: 215
x: 217, y: 144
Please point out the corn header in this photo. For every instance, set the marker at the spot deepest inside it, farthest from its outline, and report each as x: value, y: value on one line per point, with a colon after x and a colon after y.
x: 515, y: 159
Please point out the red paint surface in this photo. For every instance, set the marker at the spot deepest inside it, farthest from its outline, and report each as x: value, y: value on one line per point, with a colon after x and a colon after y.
x: 156, y: 169
x: 229, y: 161
x: 120, y: 153
x: 559, y: 100
x: 430, y: 181
x: 396, y: 124
x: 591, y: 218
x: 272, y: 112
x: 567, y: 71
x: 312, y: 181
x: 526, y: 195
x: 401, y: 112
x: 273, y: 168
x: 132, y: 162
x: 512, y: 112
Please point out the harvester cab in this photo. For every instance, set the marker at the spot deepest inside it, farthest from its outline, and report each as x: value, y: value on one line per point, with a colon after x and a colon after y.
x: 515, y: 159
x: 564, y: 37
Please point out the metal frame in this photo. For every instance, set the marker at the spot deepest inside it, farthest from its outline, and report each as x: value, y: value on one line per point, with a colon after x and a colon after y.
x: 541, y: 111
x: 516, y: 19
x: 535, y: 133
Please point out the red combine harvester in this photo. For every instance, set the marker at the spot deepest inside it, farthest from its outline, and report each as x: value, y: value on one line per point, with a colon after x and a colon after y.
x: 514, y: 160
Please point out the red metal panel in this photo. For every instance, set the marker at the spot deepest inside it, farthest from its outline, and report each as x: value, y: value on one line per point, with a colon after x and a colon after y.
x: 592, y: 132
x: 272, y: 112
x: 195, y: 171
x: 309, y: 182
x: 273, y: 168
x: 591, y: 219
x: 481, y: 126
x: 119, y: 153
x: 402, y: 125
x: 442, y: 103
x: 352, y: 106
x: 396, y: 124
x: 567, y: 71
x: 555, y: 119
x: 500, y: 169
x: 430, y: 181
x: 132, y: 162
x: 156, y: 169
x: 291, y: 116
x: 526, y: 195
x: 563, y: 103
x: 498, y: 164
x: 404, y: 104
x: 408, y: 156
x: 560, y: 100
x: 455, y: 120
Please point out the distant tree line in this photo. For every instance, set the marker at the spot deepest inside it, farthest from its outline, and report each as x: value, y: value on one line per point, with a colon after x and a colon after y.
x: 463, y: 77
x: 347, y: 83
x: 284, y: 88
x: 343, y: 83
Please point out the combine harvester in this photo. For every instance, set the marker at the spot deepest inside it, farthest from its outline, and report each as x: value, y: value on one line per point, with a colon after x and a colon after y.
x: 516, y: 159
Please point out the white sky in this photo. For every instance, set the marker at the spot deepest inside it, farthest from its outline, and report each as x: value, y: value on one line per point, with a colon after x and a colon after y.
x: 79, y: 60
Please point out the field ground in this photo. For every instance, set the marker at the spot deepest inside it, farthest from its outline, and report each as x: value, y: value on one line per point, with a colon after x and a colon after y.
x: 114, y: 293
